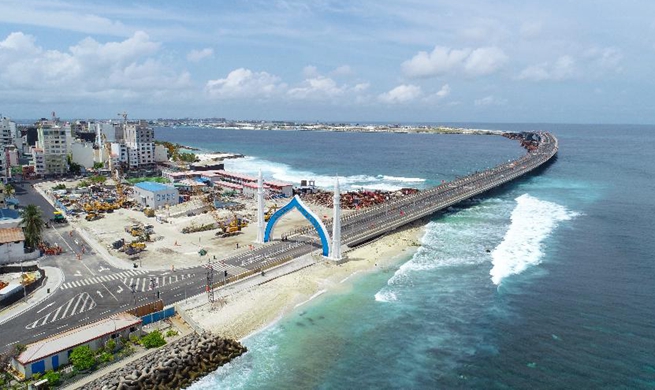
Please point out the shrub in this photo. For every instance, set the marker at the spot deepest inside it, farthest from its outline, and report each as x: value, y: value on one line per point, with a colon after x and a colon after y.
x: 52, y: 377
x: 135, y: 340
x: 106, y: 357
x: 83, y: 358
x: 171, y: 333
x: 61, y: 186
x: 110, y: 346
x: 153, y: 339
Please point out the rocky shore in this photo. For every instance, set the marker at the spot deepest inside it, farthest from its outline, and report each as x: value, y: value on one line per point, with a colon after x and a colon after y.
x: 174, y: 366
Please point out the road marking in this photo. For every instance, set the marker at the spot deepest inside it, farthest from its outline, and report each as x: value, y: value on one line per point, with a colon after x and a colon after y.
x: 99, y: 293
x: 103, y: 269
x: 120, y: 290
x: 47, y: 306
x: 78, y: 273
x: 83, y: 299
x: 62, y: 326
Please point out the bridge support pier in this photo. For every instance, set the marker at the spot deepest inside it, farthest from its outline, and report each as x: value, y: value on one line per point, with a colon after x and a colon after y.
x: 335, y: 248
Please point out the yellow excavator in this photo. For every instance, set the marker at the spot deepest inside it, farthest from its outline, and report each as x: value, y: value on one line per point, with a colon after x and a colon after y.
x: 270, y: 212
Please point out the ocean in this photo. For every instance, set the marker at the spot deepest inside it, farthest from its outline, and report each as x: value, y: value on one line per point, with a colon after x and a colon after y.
x: 548, y: 282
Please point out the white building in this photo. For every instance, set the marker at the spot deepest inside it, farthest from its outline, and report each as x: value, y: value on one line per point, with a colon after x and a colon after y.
x: 9, y: 134
x: 140, y: 141
x: 12, y: 244
x: 161, y: 153
x: 55, y: 141
x: 83, y: 153
x: 155, y: 195
x: 54, y: 352
x: 38, y: 160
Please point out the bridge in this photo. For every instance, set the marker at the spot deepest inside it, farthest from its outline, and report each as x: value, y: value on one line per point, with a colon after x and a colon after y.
x: 365, y: 225
x: 357, y: 228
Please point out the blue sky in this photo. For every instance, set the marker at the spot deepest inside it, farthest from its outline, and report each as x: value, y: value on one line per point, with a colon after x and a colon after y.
x: 367, y: 60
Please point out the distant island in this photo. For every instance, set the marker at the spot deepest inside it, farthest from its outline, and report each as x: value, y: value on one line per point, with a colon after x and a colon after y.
x: 221, y: 123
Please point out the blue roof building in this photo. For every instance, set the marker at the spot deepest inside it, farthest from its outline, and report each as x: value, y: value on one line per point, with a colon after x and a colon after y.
x: 155, y: 195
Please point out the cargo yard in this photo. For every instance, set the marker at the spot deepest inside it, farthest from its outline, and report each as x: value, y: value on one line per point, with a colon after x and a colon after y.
x: 207, y: 215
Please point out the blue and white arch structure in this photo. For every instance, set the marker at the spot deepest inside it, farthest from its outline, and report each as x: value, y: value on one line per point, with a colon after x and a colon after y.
x: 307, y: 213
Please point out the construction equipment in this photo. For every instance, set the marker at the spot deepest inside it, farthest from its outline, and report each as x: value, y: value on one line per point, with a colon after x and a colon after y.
x: 93, y: 216
x: 58, y: 217
x: 46, y: 249
x: 270, y: 212
x: 149, y: 212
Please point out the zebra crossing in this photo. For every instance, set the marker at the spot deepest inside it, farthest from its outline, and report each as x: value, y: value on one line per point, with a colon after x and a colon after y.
x: 101, y: 279
x: 142, y: 284
x: 76, y: 305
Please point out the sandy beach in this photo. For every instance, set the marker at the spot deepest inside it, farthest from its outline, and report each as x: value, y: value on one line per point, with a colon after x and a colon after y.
x: 245, y: 313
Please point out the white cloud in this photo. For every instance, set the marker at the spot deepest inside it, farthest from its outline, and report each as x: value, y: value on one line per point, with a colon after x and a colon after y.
x: 444, y: 91
x: 562, y: 69
x: 318, y: 87
x: 126, y: 68
x: 490, y: 101
x: 484, y: 61
x: 343, y: 70
x: 199, y: 55
x: 310, y: 71
x: 605, y: 59
x: 361, y: 87
x: 439, y: 95
x: 442, y: 60
x: 401, y: 94
x: 244, y: 83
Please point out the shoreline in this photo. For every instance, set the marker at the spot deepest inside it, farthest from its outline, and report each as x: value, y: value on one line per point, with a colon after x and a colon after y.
x: 244, y: 315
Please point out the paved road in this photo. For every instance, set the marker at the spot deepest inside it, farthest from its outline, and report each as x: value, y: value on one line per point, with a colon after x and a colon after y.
x: 94, y: 289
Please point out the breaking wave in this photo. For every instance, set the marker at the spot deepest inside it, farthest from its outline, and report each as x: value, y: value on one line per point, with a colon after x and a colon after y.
x: 532, y: 221
x: 283, y: 172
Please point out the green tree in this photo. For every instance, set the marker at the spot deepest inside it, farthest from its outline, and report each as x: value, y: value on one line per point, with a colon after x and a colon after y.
x: 153, y: 339
x: 83, y: 358
x: 52, y: 377
x: 9, y: 190
x: 98, y: 165
x: 32, y: 224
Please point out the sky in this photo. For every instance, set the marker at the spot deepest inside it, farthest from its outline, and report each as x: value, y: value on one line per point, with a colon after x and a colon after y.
x: 559, y: 61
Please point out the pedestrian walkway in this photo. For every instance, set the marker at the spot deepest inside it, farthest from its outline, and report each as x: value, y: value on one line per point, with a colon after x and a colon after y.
x: 148, y: 283
x: 104, y: 278
x: 54, y: 279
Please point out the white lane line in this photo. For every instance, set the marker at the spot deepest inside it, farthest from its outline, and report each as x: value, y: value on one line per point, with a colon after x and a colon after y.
x: 66, y: 311
x: 54, y: 318
x: 77, y: 302
x: 63, y: 326
x: 84, y: 304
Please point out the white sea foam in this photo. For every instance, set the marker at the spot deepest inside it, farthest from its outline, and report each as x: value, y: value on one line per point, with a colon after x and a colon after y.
x: 385, y: 296
x: 310, y: 298
x: 532, y: 220
x: 283, y: 172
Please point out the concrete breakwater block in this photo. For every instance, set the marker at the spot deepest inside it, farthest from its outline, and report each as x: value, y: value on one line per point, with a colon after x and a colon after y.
x: 174, y: 366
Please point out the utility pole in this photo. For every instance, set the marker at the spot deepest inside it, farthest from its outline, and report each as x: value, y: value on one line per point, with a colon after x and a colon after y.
x: 210, y: 281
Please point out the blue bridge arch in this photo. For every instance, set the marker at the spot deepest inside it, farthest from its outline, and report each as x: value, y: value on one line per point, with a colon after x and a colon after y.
x: 307, y: 213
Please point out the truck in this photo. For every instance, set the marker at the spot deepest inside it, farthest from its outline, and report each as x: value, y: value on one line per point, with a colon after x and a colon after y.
x: 58, y: 217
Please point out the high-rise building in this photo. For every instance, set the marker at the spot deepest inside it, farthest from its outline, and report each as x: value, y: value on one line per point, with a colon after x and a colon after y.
x: 140, y: 142
x: 54, y: 140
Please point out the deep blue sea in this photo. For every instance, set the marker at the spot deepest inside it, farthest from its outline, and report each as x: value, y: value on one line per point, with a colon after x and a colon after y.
x: 548, y: 282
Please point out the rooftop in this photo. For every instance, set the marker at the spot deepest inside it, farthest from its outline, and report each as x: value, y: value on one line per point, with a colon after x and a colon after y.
x: 152, y: 186
x: 14, y: 234
x: 9, y: 213
x: 74, y: 337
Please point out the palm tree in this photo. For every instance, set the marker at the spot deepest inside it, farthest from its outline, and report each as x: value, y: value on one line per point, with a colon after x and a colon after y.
x: 32, y: 224
x: 9, y: 190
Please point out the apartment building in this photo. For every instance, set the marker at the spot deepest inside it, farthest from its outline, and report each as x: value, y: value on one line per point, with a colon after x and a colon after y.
x: 54, y: 140
x: 140, y: 141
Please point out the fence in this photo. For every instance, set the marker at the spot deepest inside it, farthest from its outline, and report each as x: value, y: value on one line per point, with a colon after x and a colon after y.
x: 158, y: 316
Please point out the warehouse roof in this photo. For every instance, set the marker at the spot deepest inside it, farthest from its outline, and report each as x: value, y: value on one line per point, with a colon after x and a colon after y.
x: 14, y: 234
x: 78, y: 336
x: 152, y: 186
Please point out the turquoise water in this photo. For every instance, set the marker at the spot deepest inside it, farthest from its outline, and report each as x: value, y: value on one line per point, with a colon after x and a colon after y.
x: 545, y: 283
